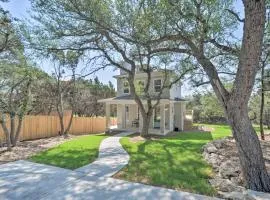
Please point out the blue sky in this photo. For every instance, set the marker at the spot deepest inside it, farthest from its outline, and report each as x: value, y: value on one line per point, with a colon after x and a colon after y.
x: 19, y: 8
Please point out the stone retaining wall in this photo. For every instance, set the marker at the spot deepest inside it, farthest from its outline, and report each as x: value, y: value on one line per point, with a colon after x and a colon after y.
x: 222, y: 155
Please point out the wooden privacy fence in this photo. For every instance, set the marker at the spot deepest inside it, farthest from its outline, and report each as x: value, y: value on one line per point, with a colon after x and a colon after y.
x: 35, y: 127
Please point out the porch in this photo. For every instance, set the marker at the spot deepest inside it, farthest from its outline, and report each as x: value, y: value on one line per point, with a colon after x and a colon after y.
x: 167, y: 116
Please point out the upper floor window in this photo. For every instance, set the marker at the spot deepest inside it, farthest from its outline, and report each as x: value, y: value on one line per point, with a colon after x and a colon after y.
x: 126, y: 87
x: 157, y: 85
x: 140, y: 87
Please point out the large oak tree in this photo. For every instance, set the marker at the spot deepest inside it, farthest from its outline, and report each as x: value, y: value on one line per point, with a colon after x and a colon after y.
x: 111, y: 38
x: 203, y: 30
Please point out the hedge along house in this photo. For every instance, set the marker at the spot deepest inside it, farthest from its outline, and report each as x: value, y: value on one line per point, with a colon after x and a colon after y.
x: 168, y: 116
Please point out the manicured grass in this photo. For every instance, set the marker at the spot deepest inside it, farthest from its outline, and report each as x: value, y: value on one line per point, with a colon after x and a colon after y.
x: 220, y: 130
x: 224, y: 130
x: 174, y: 162
x: 72, y: 154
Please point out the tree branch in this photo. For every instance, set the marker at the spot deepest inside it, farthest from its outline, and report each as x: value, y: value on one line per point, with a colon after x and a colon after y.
x: 224, y: 47
x: 236, y: 15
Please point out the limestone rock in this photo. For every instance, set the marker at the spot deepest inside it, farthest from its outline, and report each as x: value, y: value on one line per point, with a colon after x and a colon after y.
x: 229, y: 169
x: 254, y: 195
x: 223, y: 156
x: 210, y: 148
x: 213, y: 160
x: 219, y: 143
x: 233, y: 195
x: 223, y: 185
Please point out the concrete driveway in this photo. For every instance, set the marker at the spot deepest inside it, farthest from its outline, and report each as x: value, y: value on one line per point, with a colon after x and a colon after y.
x: 26, y: 180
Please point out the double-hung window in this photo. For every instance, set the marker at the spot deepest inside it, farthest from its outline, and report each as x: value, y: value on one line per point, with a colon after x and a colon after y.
x: 126, y: 87
x: 140, y: 87
x: 157, y: 85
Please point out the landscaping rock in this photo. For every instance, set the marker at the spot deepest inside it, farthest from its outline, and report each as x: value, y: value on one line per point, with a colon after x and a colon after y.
x: 223, y: 185
x: 245, y: 195
x: 210, y: 148
x: 233, y: 195
x: 219, y: 143
x: 229, y: 169
x: 222, y: 155
x: 212, y: 159
x: 254, y: 195
x: 237, y: 180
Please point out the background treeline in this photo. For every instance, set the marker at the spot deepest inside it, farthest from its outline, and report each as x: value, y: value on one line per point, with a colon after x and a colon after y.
x: 207, y: 109
x: 87, y: 93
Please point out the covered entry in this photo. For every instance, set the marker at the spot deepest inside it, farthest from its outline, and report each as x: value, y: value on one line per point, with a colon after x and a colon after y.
x: 167, y: 116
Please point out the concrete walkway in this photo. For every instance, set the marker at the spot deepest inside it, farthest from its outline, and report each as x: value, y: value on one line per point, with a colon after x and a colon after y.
x: 26, y: 180
x: 112, y: 157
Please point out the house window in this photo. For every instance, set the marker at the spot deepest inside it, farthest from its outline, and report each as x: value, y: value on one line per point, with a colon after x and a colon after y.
x: 157, y: 85
x: 140, y: 87
x: 126, y: 87
x: 157, y: 117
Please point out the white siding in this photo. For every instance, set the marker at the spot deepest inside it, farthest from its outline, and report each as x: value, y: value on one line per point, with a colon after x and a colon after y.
x: 175, y: 91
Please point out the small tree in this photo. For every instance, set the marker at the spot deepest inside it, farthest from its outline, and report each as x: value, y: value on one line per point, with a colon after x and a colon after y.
x: 65, y: 90
x: 15, y: 98
x: 16, y: 79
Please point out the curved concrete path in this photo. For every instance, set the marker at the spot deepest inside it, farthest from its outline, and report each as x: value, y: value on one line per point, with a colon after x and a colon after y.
x: 26, y: 180
x: 112, y: 157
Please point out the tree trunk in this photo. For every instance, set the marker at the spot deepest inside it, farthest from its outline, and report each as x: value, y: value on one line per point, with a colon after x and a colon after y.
x: 248, y: 145
x: 12, y: 128
x: 69, y: 124
x: 145, y: 125
x: 62, y: 126
x: 9, y: 147
x: 19, y: 127
x: 235, y: 102
x: 60, y: 112
x: 6, y: 131
x: 7, y: 134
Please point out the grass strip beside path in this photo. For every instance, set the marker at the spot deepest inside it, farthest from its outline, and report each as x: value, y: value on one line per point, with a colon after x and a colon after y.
x: 72, y: 154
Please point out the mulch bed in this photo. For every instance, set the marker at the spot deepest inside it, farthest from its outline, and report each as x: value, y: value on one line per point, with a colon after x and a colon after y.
x: 26, y: 149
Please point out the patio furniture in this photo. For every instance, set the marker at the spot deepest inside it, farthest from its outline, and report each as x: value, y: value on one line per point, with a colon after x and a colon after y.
x: 135, y: 123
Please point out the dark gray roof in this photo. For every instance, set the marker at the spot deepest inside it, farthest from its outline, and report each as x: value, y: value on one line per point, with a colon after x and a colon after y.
x: 129, y: 97
x: 125, y: 97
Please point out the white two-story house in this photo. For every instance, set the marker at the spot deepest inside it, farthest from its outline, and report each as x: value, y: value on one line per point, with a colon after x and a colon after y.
x: 168, y: 115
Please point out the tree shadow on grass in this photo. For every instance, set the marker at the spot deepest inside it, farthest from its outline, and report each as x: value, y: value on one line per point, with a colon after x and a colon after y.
x: 173, y: 162
x: 203, y: 135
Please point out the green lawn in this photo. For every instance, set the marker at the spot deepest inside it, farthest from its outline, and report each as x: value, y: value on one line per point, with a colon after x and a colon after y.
x: 175, y: 162
x: 72, y: 154
x: 220, y: 131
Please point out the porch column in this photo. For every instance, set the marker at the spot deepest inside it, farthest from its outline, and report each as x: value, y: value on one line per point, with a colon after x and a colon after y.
x: 171, y: 115
x: 119, y: 116
x: 108, y: 113
x: 140, y: 121
x: 162, y: 118
x: 123, y: 116
x: 183, y: 110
